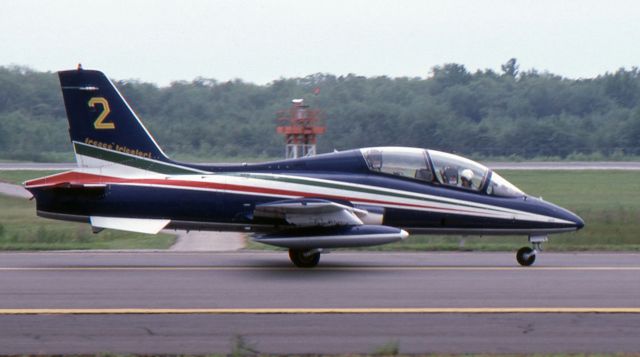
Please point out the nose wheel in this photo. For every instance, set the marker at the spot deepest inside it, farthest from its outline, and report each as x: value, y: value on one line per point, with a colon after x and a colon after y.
x: 305, y: 258
x: 527, y: 256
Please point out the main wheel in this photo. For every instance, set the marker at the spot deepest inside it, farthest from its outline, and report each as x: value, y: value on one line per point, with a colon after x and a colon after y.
x: 525, y: 256
x: 303, y: 258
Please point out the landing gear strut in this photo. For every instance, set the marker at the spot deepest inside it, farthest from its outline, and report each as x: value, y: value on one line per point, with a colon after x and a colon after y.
x: 305, y: 258
x: 526, y: 256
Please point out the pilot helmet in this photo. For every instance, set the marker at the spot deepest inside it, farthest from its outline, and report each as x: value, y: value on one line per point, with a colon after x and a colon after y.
x: 467, y: 174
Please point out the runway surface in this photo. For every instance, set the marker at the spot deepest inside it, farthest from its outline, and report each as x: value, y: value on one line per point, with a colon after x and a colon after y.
x: 143, y: 302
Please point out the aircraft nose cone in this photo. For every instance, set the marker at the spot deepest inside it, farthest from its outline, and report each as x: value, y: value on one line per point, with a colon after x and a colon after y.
x: 572, y: 217
x: 578, y: 221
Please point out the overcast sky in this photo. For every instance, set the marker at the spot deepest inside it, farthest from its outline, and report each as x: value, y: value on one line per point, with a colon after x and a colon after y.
x: 259, y: 40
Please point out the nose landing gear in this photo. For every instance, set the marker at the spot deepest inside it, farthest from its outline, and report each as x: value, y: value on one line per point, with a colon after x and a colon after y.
x: 525, y: 255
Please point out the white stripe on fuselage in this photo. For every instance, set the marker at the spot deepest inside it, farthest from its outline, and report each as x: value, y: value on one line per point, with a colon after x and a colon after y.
x: 352, y: 191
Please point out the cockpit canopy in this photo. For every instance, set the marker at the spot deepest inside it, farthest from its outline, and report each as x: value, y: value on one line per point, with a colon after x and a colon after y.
x: 438, y: 167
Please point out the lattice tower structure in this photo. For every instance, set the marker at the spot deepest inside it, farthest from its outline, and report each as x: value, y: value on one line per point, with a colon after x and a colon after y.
x: 300, y: 126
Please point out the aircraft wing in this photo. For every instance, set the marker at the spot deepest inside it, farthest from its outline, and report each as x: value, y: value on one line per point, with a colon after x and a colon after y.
x: 311, y: 213
x: 321, y: 223
x: 78, y: 185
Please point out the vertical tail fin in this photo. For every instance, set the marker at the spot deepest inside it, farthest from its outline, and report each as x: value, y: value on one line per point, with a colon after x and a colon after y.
x: 102, y: 126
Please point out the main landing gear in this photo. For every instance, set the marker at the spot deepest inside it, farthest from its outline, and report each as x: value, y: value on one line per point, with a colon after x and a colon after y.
x: 305, y: 258
x: 526, y: 256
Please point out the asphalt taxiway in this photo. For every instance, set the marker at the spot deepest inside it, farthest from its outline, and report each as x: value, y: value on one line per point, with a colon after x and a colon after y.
x: 167, y: 302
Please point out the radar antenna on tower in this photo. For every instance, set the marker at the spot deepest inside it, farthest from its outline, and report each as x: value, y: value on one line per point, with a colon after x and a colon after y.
x: 300, y: 125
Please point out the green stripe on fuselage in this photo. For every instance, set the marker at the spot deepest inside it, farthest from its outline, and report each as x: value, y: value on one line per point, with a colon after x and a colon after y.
x: 339, y: 186
x: 162, y: 168
x: 133, y: 161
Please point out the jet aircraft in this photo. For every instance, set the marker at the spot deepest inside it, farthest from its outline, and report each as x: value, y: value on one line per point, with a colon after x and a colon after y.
x: 352, y: 198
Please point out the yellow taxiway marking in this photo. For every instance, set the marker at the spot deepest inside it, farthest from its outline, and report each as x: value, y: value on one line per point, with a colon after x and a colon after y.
x: 299, y: 311
x: 329, y: 268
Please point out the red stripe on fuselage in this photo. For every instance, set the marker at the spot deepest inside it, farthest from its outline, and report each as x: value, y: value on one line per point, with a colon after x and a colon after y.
x: 79, y: 178
x: 68, y: 177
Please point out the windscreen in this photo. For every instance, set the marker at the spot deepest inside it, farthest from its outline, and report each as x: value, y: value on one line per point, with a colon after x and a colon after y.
x: 498, y: 186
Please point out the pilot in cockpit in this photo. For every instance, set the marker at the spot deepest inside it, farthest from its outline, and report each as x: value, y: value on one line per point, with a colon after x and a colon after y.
x: 465, y: 178
x: 375, y: 160
x: 450, y: 176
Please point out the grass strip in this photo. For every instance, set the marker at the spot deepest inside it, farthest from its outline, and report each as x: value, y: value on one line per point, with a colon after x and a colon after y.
x: 608, y: 201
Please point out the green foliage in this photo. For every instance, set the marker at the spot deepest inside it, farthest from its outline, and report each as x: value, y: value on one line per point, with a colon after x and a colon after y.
x: 510, y: 68
x: 391, y: 348
x: 17, y: 177
x: 516, y: 113
x: 241, y: 347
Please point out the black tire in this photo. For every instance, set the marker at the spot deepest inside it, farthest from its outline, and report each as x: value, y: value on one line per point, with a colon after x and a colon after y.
x: 525, y: 256
x: 302, y: 259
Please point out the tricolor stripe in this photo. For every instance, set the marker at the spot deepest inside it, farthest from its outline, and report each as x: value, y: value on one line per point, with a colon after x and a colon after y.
x: 154, y: 173
x: 280, y: 186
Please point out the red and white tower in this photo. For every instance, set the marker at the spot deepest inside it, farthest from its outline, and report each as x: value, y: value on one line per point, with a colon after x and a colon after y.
x: 300, y: 126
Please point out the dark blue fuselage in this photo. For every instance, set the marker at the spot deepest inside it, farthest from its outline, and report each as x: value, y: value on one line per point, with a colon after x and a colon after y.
x: 234, y: 209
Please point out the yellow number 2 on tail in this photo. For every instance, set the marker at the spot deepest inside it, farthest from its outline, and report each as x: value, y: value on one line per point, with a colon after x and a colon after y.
x: 100, y: 123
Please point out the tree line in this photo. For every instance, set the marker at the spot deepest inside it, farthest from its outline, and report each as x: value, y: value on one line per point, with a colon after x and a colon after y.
x: 483, y: 114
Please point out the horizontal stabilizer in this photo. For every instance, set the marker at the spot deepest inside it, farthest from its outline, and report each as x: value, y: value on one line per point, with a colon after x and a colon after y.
x: 73, y: 185
x: 334, y: 237
x: 140, y: 225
